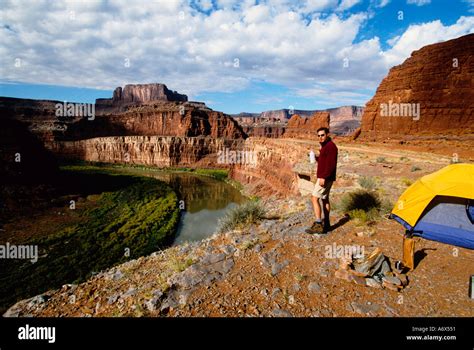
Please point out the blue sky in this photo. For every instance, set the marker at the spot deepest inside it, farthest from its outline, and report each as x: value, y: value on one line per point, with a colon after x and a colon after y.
x: 237, y: 56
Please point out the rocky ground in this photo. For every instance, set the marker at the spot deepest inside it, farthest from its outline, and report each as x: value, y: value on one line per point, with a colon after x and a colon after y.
x: 273, y: 268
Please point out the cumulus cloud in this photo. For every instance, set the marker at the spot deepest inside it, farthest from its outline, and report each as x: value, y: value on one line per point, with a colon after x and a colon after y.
x: 418, y: 2
x: 347, y: 4
x: 470, y: 5
x: 382, y: 3
x: 107, y: 44
x: 419, y: 35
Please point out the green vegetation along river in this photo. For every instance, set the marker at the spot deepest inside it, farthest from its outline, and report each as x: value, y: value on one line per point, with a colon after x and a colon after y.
x: 203, y: 200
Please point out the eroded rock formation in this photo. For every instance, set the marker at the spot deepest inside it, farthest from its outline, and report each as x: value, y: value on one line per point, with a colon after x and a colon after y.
x: 343, y: 120
x: 305, y: 128
x: 159, y: 151
x: 273, y: 174
x: 439, y: 80
x: 138, y: 94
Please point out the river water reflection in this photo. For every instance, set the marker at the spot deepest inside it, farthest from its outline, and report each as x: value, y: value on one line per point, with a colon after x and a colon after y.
x: 205, y: 201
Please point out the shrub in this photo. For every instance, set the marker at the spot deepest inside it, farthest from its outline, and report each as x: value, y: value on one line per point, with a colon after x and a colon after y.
x: 368, y: 183
x: 218, y: 174
x: 381, y: 160
x: 386, y: 206
x: 241, y: 216
x: 406, y: 182
x: 179, y: 264
x: 362, y: 206
x: 359, y: 199
x: 415, y: 168
x: 363, y: 217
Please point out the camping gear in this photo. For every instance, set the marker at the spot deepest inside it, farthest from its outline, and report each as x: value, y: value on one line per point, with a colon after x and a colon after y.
x: 440, y: 206
x: 367, y: 266
x: 373, y: 270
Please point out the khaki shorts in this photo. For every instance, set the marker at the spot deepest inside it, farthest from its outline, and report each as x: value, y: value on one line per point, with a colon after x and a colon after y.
x: 320, y: 191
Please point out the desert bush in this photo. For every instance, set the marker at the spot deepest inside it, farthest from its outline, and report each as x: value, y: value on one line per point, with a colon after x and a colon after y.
x: 359, y: 199
x: 381, y: 160
x: 386, y: 206
x: 362, y: 217
x: 415, y: 168
x: 363, y: 206
x: 241, y: 216
x: 179, y: 264
x: 368, y: 183
x: 406, y: 181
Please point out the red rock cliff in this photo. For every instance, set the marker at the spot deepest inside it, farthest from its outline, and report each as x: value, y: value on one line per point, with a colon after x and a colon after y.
x: 305, y: 128
x: 440, y: 79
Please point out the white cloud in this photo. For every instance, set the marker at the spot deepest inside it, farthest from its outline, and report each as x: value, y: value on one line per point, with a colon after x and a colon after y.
x: 205, y: 5
x: 256, y: 14
x: 347, y: 4
x: 318, y: 5
x: 382, y: 3
x: 107, y: 44
x: 419, y: 35
x: 418, y: 2
x: 470, y: 5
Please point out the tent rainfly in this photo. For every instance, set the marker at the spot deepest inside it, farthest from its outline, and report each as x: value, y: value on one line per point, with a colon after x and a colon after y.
x: 440, y: 206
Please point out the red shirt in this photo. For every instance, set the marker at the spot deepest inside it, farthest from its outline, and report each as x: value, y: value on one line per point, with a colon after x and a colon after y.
x: 327, y: 161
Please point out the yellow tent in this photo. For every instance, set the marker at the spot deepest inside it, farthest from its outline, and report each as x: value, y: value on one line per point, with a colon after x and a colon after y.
x: 439, y: 206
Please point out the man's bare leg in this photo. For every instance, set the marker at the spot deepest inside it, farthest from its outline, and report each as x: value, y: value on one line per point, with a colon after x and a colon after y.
x: 316, y: 208
x: 317, y: 225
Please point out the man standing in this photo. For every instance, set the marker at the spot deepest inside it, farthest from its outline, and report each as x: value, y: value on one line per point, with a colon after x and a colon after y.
x: 326, y: 175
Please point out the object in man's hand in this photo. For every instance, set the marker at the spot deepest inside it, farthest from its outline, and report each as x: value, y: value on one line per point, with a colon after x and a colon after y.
x: 312, y: 157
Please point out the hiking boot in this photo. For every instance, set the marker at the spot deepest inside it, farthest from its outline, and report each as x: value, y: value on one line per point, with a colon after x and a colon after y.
x: 317, y: 228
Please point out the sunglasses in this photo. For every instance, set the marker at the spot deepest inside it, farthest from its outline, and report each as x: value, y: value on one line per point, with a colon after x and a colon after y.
x: 321, y: 135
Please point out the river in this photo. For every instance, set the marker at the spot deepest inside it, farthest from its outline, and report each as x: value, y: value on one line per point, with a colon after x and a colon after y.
x: 204, y: 201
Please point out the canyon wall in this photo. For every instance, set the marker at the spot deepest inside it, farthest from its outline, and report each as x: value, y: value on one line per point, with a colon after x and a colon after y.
x: 32, y: 129
x: 159, y: 151
x: 270, y: 174
x: 273, y: 174
x: 343, y: 120
x: 272, y: 130
x: 439, y: 79
x: 305, y: 128
x: 23, y: 156
x: 159, y: 118
x: 156, y: 118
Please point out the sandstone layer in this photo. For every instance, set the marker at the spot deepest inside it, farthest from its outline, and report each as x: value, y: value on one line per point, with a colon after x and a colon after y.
x: 30, y: 127
x: 159, y: 151
x: 305, y: 128
x: 438, y: 78
x: 138, y: 94
x: 343, y: 120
